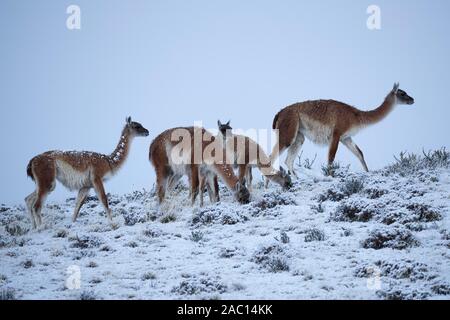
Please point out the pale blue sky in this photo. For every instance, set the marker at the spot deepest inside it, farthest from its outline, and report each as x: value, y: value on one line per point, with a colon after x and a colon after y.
x: 170, y: 63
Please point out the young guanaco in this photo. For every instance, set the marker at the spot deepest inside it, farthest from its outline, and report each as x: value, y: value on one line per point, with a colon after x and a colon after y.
x: 79, y: 171
x: 246, y: 154
x: 193, y: 160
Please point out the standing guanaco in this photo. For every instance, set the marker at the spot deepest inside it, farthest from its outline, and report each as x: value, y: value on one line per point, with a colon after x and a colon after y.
x: 195, y: 162
x: 78, y: 171
x: 328, y: 122
x: 247, y: 154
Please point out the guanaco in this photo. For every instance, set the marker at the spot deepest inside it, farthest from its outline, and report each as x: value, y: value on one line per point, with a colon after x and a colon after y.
x: 169, y: 170
x: 78, y: 171
x: 246, y: 154
x: 328, y: 122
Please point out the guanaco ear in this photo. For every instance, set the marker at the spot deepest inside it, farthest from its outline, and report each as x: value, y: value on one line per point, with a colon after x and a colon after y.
x: 228, y: 123
x: 396, y: 86
x: 219, y: 124
x: 128, y: 120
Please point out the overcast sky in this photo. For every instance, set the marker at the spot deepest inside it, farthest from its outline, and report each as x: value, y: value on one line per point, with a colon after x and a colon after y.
x: 170, y: 63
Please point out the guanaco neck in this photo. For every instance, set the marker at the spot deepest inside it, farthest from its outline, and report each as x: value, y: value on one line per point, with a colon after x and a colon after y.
x: 378, y: 114
x: 119, y: 155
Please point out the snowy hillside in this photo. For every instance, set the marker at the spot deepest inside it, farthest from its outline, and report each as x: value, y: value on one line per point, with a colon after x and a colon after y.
x: 381, y: 235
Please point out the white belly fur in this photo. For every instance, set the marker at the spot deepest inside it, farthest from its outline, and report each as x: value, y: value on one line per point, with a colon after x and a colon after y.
x: 316, y: 132
x: 322, y: 134
x: 71, y: 178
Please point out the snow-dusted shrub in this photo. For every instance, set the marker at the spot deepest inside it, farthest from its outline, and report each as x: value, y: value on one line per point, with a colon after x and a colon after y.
x: 85, y: 242
x: 375, y: 193
x: 409, y: 163
x: 226, y: 214
x: 284, y: 238
x: 5, y: 240
x: 442, y: 289
x: 88, y: 295
x: 61, y: 233
x: 332, y: 194
x: 390, y: 237
x: 352, y: 186
x: 272, y: 200
x: 7, y: 294
x: 152, y: 233
x: 408, y: 269
x: 271, y: 257
x: 16, y: 229
x: 314, y: 234
x: 169, y: 217
x: 407, y: 294
x: 133, y: 215
x: 148, y: 276
x: 424, y: 212
x: 196, y: 236
x: 195, y: 286
x: 28, y: 264
x: 413, y: 216
x: 228, y: 252
x: 354, y: 210
x: 330, y: 170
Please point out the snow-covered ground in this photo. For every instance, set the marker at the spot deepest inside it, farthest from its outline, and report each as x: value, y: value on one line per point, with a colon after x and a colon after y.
x: 380, y: 235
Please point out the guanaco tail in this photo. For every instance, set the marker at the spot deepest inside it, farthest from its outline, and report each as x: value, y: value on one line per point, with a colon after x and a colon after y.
x: 79, y: 171
x: 196, y: 163
x: 328, y: 122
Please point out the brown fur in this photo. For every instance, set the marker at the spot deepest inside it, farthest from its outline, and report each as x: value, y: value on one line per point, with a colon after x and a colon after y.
x: 328, y: 122
x: 247, y: 154
x: 79, y: 171
x: 167, y: 174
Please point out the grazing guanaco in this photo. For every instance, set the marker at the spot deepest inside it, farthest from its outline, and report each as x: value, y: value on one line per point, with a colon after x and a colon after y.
x: 247, y: 154
x: 196, y: 162
x: 79, y: 171
x: 328, y: 122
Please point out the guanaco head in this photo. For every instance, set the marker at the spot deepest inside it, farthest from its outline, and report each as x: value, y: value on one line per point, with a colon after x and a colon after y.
x: 224, y: 128
x: 402, y: 96
x: 241, y: 193
x: 136, y: 129
x: 282, y: 178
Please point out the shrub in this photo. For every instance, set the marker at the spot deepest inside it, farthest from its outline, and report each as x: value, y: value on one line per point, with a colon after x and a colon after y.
x: 194, y: 286
x: 133, y: 215
x: 272, y: 200
x: 393, y: 237
x: 222, y: 214
x: 353, y: 211
x: 7, y: 294
x: 196, y: 236
x: 148, y: 276
x: 272, y: 258
x: 408, y: 163
x: 85, y: 242
x: 352, y: 186
x: 88, y: 295
x: 408, y: 269
x: 167, y: 218
x: 314, y: 234
x: 15, y: 229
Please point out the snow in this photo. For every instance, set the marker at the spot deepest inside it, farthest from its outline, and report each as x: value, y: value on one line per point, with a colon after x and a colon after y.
x: 377, y: 235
